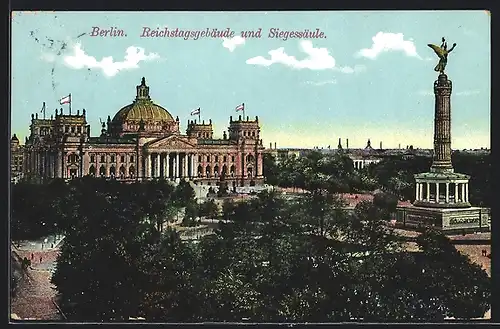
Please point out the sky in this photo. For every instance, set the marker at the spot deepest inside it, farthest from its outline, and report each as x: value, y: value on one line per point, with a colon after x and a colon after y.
x: 365, y: 75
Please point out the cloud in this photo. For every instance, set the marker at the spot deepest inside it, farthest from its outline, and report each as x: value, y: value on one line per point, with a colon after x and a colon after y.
x: 355, y: 69
x: 322, y: 83
x: 384, y: 42
x: 79, y: 60
x: 232, y: 43
x: 48, y: 57
x: 316, y: 59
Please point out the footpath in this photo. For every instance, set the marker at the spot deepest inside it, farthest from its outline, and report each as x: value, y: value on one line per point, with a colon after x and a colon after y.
x: 35, y: 295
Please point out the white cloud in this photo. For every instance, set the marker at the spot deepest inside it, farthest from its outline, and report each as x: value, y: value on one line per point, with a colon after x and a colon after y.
x: 79, y: 60
x: 355, y: 69
x: 48, y: 57
x: 316, y: 59
x: 322, y: 83
x: 384, y: 42
x: 232, y: 43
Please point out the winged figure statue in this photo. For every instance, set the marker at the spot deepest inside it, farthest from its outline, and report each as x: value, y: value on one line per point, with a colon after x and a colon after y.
x: 442, y: 52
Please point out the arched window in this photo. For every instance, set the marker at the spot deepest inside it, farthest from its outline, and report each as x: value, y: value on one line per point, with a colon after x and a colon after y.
x: 112, y: 171
x: 122, y: 172
x: 131, y: 171
x: 216, y: 171
x: 207, y: 171
x: 92, y: 171
x: 231, y: 171
x: 102, y: 171
x: 200, y: 171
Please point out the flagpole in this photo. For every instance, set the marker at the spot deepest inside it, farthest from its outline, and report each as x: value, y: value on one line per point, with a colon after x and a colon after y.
x: 43, y: 110
x: 243, y: 111
x: 69, y: 104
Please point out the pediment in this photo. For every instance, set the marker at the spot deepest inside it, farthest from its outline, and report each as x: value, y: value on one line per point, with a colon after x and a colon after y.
x: 170, y: 142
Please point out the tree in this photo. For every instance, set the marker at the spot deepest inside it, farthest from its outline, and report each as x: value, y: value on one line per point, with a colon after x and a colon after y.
x: 184, y: 193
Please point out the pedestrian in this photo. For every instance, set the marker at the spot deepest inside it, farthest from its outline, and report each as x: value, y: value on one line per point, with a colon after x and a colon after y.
x: 32, y: 256
x: 40, y: 259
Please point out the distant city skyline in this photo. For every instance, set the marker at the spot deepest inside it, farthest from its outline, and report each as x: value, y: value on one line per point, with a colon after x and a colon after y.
x: 369, y: 77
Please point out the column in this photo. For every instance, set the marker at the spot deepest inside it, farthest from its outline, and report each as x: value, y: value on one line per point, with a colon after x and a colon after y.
x: 421, y: 191
x: 63, y: 165
x: 177, y: 165
x: 466, y: 192
x: 463, y: 193
x: 127, y: 165
x: 417, y: 194
x: 147, y: 165
x: 157, y: 165
x: 428, y: 192
x: 185, y: 163
x: 456, y: 192
x: 193, y: 171
x: 167, y: 165
x: 437, y: 192
x: 259, y: 164
x: 447, y: 197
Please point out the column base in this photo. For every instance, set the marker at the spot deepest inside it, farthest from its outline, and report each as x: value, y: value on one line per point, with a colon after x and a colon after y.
x: 428, y: 204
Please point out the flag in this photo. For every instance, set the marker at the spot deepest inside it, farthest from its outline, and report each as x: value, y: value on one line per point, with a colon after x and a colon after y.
x: 240, y: 107
x: 43, y: 108
x: 65, y: 100
x: 195, y: 112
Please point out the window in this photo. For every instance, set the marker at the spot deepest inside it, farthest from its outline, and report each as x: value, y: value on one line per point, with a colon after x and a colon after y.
x: 232, y: 158
x: 199, y: 158
x: 112, y: 158
x: 208, y: 158
x: 66, y: 129
x: 103, y: 158
x: 131, y: 158
x: 224, y: 159
x: 122, y: 158
x: 79, y: 129
x: 73, y: 129
x: 92, y: 158
x: 216, y: 158
x: 253, y: 133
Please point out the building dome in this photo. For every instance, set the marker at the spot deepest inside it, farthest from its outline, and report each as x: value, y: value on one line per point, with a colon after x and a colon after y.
x: 143, y: 108
x: 143, y: 111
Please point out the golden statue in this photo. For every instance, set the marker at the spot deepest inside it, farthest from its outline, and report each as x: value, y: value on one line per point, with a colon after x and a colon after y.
x: 442, y: 53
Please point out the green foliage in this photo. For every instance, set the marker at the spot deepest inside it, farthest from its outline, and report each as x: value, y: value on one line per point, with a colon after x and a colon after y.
x: 305, y: 259
x: 209, y: 209
x: 334, y: 172
x: 184, y: 193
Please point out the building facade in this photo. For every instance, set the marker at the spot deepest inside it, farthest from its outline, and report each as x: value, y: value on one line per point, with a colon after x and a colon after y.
x: 143, y: 141
x: 16, y: 159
